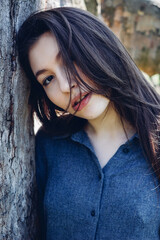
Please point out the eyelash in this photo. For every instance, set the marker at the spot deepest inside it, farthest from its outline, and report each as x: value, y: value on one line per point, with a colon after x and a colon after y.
x: 49, y: 78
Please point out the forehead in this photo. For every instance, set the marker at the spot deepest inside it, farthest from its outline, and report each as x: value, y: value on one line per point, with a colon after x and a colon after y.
x: 44, y: 50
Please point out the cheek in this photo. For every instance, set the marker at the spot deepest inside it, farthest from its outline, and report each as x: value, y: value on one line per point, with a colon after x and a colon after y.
x: 97, y: 106
x: 55, y: 96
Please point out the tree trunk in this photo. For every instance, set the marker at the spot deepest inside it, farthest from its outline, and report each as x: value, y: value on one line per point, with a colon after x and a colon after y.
x: 137, y: 24
x: 17, y: 166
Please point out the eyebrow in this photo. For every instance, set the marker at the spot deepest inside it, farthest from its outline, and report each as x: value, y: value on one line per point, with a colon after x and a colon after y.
x: 39, y: 72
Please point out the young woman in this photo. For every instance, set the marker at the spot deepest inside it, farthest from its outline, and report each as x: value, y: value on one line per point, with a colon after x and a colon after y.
x: 97, y: 154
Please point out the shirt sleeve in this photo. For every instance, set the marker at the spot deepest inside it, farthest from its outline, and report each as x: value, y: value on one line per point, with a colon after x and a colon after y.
x: 41, y: 176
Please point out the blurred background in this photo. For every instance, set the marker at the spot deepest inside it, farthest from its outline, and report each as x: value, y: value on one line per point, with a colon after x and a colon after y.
x: 137, y: 24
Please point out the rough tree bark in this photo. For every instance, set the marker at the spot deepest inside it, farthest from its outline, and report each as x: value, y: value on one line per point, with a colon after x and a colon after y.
x: 17, y: 167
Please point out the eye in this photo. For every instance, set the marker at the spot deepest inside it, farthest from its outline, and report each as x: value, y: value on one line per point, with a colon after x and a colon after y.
x: 47, y: 80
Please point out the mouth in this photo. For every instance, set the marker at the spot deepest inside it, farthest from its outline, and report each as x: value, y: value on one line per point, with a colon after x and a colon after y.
x: 79, y: 103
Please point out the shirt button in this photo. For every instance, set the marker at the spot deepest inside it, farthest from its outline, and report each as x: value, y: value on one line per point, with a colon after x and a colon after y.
x: 100, y: 176
x: 126, y: 150
x: 93, y: 213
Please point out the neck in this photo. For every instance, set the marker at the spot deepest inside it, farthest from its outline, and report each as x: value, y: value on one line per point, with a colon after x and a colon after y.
x: 109, y: 124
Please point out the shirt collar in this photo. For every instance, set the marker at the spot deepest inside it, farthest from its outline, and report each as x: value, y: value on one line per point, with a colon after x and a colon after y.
x: 82, y: 137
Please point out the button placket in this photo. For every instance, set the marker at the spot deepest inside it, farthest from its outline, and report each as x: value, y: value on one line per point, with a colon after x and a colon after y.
x: 125, y: 150
x: 100, y: 176
x: 93, y: 213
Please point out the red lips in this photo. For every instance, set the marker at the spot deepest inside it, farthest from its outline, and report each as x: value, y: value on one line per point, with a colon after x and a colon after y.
x: 77, y: 98
x: 79, y: 104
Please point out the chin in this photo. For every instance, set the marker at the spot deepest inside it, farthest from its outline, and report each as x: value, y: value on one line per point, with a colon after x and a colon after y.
x: 90, y: 116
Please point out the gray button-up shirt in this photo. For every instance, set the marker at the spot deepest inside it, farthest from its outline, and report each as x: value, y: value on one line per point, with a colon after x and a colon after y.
x: 79, y: 200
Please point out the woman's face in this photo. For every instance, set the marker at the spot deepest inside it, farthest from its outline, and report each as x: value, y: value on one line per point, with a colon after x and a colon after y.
x: 49, y: 71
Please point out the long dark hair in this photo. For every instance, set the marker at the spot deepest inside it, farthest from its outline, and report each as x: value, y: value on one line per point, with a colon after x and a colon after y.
x: 87, y: 42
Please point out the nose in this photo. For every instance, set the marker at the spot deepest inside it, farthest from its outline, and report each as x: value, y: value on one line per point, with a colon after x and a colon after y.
x: 65, y: 87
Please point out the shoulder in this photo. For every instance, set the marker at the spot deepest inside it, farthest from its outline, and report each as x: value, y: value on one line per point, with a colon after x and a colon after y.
x: 48, y: 146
